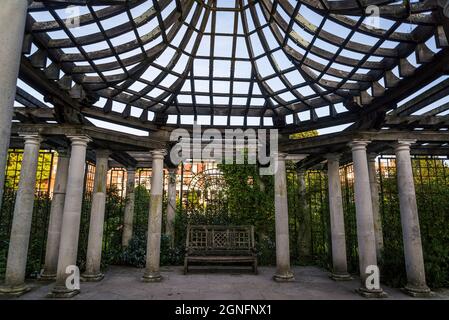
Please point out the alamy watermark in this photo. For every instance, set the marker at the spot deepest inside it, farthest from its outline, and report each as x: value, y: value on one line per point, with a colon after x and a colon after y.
x: 372, y: 20
x: 72, y: 17
x: 372, y: 281
x: 72, y: 282
x: 233, y: 146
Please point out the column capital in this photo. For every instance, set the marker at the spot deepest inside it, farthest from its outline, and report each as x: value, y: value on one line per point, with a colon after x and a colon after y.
x: 79, y: 140
x: 372, y: 156
x: 333, y: 156
x: 102, y: 153
x: 32, y: 138
x: 403, y: 145
x: 63, y: 152
x: 158, y: 153
x: 356, y: 145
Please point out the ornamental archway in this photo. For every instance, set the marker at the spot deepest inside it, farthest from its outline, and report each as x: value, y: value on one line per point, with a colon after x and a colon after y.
x: 206, y: 198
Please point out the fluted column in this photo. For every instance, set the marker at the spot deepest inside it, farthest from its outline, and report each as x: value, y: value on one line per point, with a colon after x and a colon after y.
x: 171, y: 205
x: 21, y: 223
x: 56, y: 214
x: 283, y: 271
x: 364, y: 216
x: 95, y: 239
x: 128, y: 219
x: 12, y: 25
x: 411, y: 235
x: 68, y: 247
x: 337, y: 221
x: 152, y: 272
x: 304, y: 232
x: 377, y: 218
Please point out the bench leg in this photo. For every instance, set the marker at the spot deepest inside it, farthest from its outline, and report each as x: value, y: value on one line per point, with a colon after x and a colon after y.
x: 186, y: 266
x: 255, y: 267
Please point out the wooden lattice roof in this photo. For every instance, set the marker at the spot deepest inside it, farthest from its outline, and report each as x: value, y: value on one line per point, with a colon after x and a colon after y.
x: 296, y: 65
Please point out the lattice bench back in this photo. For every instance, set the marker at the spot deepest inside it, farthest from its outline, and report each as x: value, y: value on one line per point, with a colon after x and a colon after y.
x: 219, y: 239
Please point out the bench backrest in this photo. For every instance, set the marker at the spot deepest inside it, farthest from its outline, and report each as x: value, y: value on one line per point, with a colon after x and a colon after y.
x: 219, y: 239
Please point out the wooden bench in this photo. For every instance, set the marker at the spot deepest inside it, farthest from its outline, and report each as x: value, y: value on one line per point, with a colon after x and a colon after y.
x: 220, y: 245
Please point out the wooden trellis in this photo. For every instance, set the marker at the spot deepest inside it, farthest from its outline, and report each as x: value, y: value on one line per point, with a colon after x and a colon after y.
x: 296, y: 65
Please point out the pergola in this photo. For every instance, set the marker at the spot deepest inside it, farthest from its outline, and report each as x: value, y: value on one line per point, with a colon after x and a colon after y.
x: 79, y: 76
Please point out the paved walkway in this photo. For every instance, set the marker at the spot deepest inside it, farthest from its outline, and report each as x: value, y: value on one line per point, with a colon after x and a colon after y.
x: 124, y: 283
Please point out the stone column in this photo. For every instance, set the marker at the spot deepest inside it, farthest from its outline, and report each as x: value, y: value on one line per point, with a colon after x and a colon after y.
x: 68, y: 247
x: 171, y: 205
x: 364, y: 216
x: 337, y: 220
x: 12, y: 25
x: 56, y: 214
x: 128, y: 219
x: 304, y: 231
x: 152, y: 273
x: 21, y: 223
x: 283, y: 271
x: 414, y: 261
x: 377, y: 218
x: 95, y: 239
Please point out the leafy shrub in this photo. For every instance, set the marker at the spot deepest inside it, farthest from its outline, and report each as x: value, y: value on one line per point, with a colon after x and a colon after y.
x: 135, y: 253
x: 266, y: 251
x: 171, y: 256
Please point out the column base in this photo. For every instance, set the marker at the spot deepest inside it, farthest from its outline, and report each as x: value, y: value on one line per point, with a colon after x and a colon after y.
x: 92, y: 277
x: 371, y: 293
x: 62, y: 292
x: 340, y: 276
x: 421, y: 292
x: 14, y: 291
x: 152, y: 277
x: 47, y: 276
x: 284, y: 277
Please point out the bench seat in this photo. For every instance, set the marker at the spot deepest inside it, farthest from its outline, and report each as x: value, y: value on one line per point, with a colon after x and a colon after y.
x: 221, y: 259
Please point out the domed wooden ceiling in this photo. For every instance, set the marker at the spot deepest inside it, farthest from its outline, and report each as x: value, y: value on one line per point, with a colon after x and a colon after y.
x: 243, y: 63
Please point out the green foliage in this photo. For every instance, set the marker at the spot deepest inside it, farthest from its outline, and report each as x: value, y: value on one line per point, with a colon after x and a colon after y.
x: 6, y: 212
x: 392, y: 260
x: 38, y: 234
x: 112, y: 235
x: 135, y: 253
x: 250, y: 197
x: 433, y: 201
x: 180, y: 227
x: 251, y: 202
x: 84, y: 230
x: 141, y: 208
x: 171, y: 256
x: 266, y: 251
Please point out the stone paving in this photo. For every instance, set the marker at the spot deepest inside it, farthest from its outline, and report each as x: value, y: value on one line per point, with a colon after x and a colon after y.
x: 124, y: 283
